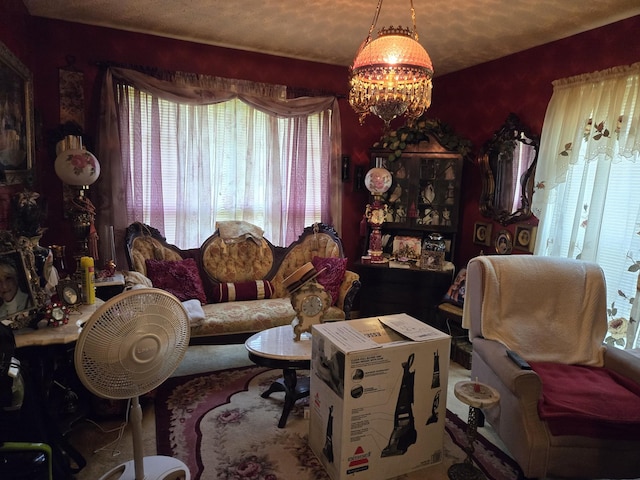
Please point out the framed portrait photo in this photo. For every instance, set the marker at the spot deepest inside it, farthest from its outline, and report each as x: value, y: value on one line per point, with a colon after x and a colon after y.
x: 482, y: 233
x: 504, y: 242
x: 16, y: 103
x: 21, y: 295
x: 525, y: 238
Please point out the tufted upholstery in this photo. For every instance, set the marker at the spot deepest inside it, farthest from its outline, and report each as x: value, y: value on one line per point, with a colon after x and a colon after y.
x: 241, y: 261
x: 236, y: 262
x: 144, y: 248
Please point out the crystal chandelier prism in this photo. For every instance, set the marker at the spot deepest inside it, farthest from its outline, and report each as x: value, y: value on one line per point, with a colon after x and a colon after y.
x: 391, y: 75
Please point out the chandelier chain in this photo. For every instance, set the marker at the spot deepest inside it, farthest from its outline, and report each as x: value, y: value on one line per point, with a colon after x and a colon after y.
x: 413, y: 19
x: 375, y: 21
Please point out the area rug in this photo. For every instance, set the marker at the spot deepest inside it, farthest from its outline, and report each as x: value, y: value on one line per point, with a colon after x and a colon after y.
x: 221, y: 428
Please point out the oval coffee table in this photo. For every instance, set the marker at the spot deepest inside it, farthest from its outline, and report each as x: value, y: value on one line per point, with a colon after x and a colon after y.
x: 276, y: 348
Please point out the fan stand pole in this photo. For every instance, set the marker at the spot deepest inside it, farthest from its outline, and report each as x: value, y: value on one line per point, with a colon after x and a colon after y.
x: 136, y: 434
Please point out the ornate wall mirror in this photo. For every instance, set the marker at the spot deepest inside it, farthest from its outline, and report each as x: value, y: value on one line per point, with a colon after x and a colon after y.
x: 21, y: 296
x: 508, y: 162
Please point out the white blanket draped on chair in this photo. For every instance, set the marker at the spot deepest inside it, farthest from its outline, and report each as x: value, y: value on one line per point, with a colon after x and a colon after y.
x: 539, y: 335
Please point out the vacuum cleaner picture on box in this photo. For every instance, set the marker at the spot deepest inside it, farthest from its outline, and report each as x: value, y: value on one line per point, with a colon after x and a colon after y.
x: 404, y: 429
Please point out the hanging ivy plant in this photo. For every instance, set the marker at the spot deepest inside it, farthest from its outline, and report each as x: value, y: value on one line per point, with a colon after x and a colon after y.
x: 422, y: 130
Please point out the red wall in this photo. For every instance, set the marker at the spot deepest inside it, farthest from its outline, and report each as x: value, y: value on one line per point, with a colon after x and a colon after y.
x: 475, y: 101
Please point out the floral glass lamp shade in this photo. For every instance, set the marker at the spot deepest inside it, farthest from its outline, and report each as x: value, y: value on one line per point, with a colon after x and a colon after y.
x: 77, y: 167
x: 391, y: 75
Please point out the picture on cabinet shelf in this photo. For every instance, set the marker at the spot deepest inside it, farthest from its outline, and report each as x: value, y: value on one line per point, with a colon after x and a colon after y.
x: 407, y: 248
x: 525, y: 238
x: 482, y: 234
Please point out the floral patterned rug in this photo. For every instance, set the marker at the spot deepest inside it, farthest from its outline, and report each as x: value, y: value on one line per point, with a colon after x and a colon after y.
x: 220, y: 427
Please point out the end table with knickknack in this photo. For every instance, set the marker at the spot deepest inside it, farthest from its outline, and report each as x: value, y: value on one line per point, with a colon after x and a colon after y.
x: 422, y: 204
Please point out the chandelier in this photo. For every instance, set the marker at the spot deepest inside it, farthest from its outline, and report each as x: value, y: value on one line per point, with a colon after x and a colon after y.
x: 391, y: 75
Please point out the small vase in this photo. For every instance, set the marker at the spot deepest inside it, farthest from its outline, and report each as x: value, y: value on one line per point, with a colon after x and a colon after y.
x: 59, y: 260
x: 40, y: 253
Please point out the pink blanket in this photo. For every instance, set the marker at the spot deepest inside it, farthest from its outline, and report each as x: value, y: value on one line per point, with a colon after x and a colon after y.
x: 588, y: 401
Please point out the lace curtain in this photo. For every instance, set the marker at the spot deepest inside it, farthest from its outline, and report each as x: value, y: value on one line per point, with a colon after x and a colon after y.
x: 117, y: 186
x: 587, y: 184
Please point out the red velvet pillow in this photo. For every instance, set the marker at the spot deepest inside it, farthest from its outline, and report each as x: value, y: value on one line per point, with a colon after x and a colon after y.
x: 179, y: 277
x: 252, y: 290
x: 331, y: 278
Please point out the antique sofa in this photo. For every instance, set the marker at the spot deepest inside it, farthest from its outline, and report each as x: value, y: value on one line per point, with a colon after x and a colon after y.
x: 237, y: 275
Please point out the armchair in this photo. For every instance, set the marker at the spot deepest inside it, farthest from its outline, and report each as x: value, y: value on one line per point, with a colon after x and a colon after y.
x: 552, y: 312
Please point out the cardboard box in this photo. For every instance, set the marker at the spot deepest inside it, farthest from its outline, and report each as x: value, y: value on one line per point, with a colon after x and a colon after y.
x: 378, y: 396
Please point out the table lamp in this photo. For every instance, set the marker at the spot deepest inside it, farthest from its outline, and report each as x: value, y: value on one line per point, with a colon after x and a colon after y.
x: 377, y: 180
x: 78, y: 169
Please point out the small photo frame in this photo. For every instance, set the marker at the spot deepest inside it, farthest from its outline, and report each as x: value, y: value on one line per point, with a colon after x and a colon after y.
x: 504, y: 243
x: 482, y: 233
x: 407, y: 248
x: 525, y: 238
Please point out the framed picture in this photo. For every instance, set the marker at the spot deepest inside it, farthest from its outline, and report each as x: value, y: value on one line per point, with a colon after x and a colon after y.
x: 16, y: 114
x: 21, y: 295
x: 525, y: 238
x: 407, y: 248
x: 504, y: 242
x: 482, y: 233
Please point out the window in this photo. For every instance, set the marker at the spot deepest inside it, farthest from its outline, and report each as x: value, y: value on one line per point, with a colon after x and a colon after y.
x: 587, y: 197
x: 190, y: 166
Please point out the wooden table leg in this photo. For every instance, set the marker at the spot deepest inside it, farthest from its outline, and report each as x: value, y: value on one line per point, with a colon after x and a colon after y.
x: 293, y: 391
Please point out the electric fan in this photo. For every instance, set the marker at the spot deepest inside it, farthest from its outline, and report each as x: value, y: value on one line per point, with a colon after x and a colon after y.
x: 128, y: 347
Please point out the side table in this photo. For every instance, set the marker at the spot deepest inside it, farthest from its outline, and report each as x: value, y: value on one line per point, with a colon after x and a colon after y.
x: 477, y: 396
x: 109, y: 287
x: 276, y: 348
x: 62, y: 335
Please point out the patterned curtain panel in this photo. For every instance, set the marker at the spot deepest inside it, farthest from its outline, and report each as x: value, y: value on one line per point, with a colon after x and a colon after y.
x: 185, y: 152
x: 586, y: 196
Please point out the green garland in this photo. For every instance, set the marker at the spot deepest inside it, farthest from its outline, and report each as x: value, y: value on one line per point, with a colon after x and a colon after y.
x: 398, y: 140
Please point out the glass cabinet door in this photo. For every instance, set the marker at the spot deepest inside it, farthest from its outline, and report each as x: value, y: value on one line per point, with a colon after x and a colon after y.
x: 424, y: 196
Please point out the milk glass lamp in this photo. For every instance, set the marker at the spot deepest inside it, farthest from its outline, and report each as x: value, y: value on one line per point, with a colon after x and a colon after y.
x: 78, y: 168
x: 377, y: 180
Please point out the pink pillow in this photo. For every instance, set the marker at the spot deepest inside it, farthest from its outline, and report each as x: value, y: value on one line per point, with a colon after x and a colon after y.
x: 252, y: 290
x: 331, y: 278
x: 179, y: 277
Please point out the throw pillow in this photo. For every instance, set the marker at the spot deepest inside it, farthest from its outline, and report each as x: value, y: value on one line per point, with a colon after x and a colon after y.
x: 455, y: 294
x: 179, y: 277
x: 252, y: 290
x: 332, y: 276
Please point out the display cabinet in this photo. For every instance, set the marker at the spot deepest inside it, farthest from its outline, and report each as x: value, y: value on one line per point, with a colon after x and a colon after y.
x: 424, y: 198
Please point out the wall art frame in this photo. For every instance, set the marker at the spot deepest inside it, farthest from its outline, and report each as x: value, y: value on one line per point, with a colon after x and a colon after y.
x: 17, y: 140
x: 524, y: 237
x: 482, y: 233
x: 504, y: 243
x: 17, y: 253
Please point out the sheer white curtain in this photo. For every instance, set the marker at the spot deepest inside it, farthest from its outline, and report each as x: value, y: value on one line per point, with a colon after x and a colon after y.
x: 587, y: 184
x: 277, y: 167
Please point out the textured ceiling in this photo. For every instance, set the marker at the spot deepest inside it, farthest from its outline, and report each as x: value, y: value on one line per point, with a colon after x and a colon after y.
x: 456, y: 33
